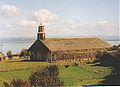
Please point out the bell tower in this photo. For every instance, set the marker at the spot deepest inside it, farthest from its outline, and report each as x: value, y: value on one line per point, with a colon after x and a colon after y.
x: 41, y: 33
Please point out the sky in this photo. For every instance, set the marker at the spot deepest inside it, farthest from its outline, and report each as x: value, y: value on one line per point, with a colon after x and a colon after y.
x: 74, y: 18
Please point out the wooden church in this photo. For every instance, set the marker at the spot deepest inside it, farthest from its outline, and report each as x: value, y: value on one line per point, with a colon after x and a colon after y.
x: 52, y: 49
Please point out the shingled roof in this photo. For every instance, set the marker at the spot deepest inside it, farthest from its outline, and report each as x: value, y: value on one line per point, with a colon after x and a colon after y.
x: 62, y: 44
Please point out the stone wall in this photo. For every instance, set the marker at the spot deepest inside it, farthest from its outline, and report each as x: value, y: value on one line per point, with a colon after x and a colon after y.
x: 76, y: 54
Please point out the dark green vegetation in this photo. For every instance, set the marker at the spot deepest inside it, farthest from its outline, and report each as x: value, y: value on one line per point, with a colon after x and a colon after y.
x: 47, y: 76
x: 24, y: 53
x: 82, y: 74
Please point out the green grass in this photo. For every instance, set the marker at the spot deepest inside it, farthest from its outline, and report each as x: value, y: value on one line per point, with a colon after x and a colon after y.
x: 8, y: 76
x: 72, y: 76
x: 83, y: 74
x: 16, y: 69
x: 12, y: 65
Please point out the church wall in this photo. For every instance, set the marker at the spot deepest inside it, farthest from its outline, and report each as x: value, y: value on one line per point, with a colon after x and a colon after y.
x: 75, y: 54
x: 40, y: 56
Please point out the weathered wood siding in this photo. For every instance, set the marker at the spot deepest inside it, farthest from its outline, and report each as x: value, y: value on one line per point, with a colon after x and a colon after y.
x: 40, y: 56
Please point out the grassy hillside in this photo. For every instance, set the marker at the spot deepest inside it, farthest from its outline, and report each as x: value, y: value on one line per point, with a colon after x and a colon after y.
x: 83, y: 74
x: 72, y: 76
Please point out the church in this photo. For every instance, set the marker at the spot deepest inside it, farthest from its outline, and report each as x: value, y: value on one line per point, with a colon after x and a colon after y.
x: 53, y: 49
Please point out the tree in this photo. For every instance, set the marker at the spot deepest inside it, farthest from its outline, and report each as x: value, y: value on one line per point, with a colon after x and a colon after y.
x: 24, y: 53
x: 114, y: 47
x: 9, y: 54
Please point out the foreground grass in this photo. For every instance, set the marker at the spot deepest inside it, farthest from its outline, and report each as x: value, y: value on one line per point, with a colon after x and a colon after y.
x: 17, y: 69
x: 73, y: 76
x: 83, y: 74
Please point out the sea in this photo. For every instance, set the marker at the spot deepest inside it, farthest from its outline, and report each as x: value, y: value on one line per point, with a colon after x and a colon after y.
x: 17, y: 44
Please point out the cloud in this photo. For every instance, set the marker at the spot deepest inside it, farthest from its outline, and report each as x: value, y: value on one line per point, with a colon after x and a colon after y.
x: 27, y: 23
x: 13, y: 30
x: 5, y: 30
x: 106, y: 28
x: 44, y: 15
x: 9, y: 10
x: 102, y: 28
x: 105, y: 24
x: 28, y: 28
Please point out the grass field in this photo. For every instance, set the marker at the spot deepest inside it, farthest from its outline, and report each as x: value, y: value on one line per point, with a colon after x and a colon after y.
x: 84, y: 74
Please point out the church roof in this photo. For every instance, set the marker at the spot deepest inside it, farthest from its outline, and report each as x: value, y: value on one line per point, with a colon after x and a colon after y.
x: 38, y: 45
x: 62, y: 44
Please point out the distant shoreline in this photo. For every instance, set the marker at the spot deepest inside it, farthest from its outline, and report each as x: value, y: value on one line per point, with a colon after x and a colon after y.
x: 29, y: 40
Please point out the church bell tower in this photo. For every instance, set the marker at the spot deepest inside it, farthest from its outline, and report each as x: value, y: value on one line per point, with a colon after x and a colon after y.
x: 41, y: 33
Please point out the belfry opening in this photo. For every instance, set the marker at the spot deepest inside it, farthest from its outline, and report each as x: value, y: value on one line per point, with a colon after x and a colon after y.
x: 41, y: 33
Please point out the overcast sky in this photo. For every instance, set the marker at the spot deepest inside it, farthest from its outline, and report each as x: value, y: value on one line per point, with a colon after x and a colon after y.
x: 20, y: 18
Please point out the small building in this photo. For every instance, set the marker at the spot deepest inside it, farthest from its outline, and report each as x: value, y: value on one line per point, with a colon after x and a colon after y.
x: 50, y: 49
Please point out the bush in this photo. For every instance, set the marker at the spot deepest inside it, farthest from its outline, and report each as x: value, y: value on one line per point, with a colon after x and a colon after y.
x: 47, y: 76
x: 66, y: 66
x: 115, y: 47
x: 18, y: 83
x: 75, y: 64
x: 24, y: 53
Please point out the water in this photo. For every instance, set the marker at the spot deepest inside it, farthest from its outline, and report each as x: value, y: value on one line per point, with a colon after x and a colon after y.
x: 16, y: 46
x: 114, y: 42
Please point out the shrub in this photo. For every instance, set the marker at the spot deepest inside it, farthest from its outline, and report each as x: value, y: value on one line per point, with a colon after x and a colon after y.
x: 115, y: 47
x: 45, y: 76
x: 18, y: 83
x: 66, y: 66
x: 75, y: 64
x: 24, y: 53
